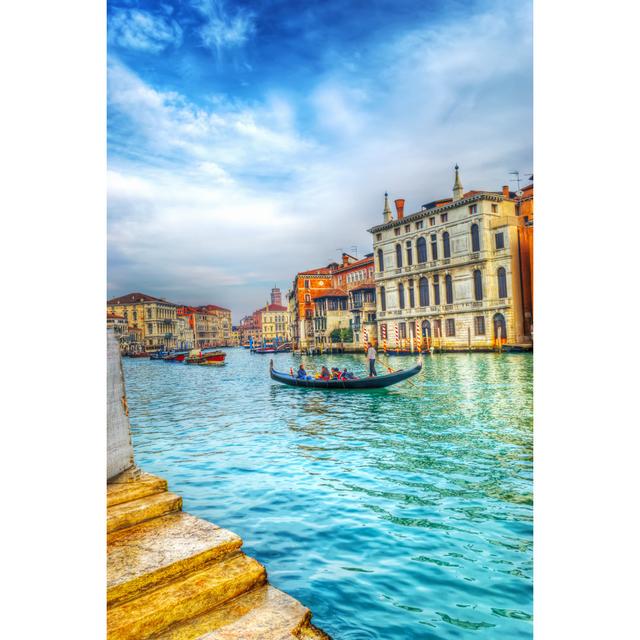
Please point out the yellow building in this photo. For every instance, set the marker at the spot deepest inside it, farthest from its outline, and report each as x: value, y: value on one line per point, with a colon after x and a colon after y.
x: 274, y: 323
x: 154, y: 317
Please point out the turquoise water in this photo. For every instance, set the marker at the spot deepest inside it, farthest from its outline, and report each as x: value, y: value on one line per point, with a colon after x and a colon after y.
x: 394, y: 514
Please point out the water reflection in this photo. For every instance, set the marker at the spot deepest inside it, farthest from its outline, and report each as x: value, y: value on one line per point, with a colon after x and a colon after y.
x: 399, y: 513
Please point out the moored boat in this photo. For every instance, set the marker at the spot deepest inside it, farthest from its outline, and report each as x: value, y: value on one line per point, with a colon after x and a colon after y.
x: 375, y: 382
x: 176, y: 356
x: 197, y: 356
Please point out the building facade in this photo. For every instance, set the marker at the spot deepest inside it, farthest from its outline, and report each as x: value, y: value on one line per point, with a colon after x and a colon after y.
x: 274, y: 324
x: 211, y: 325
x: 449, y: 275
x: 155, y: 318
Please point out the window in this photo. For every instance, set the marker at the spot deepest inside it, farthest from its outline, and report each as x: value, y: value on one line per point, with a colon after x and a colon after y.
x: 451, y: 327
x: 434, y: 247
x: 401, y: 295
x: 421, y: 247
x: 477, y: 284
x: 419, y: 225
x: 306, y: 284
x: 424, y: 292
x: 446, y: 246
x: 478, y: 323
x: 412, y: 299
x: 397, y: 231
x: 494, y: 208
x: 383, y: 299
x: 432, y: 221
x: 378, y: 236
x: 500, y: 240
x: 448, y: 288
x: 398, y: 256
x: 436, y: 290
x: 437, y: 327
x: 403, y: 330
x: 475, y: 238
x: 409, y: 253
x: 380, y: 260
x: 502, y: 283
x: 444, y: 217
x: 307, y: 298
x: 473, y: 208
x: 407, y: 228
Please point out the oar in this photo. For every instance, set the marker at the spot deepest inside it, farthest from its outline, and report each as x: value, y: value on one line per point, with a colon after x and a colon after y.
x: 392, y: 371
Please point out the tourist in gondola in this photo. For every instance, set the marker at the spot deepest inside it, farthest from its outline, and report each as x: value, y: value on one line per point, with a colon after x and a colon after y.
x: 302, y: 374
x: 324, y: 373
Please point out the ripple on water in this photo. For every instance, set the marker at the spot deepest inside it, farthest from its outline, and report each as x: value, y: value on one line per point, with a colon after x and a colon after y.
x: 400, y: 513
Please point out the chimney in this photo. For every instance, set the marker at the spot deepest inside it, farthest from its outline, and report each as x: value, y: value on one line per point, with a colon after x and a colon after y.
x: 400, y: 208
x: 345, y: 259
x: 505, y: 192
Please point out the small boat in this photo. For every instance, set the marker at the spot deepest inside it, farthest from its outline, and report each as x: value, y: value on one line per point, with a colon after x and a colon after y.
x: 139, y: 354
x: 176, y: 356
x: 159, y: 355
x: 196, y: 356
x: 213, y: 363
x: 375, y: 382
x: 263, y: 350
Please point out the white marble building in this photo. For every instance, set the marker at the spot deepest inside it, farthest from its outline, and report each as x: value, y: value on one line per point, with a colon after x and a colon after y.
x: 450, y: 272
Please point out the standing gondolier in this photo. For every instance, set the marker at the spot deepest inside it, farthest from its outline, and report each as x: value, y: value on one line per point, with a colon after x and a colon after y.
x: 371, y: 355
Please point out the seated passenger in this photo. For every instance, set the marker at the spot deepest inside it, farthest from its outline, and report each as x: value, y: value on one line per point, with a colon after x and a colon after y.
x: 324, y: 373
x: 301, y: 372
x: 335, y: 373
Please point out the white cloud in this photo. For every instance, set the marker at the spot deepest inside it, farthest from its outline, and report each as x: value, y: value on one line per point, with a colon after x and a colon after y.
x: 143, y: 31
x: 222, y: 30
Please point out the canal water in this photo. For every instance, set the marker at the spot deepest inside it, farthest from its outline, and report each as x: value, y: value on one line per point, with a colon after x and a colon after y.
x: 399, y: 513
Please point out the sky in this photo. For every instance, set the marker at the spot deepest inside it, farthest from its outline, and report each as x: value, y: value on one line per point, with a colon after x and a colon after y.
x: 251, y: 140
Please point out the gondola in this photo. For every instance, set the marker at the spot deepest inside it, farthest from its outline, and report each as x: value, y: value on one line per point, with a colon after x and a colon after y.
x: 375, y: 382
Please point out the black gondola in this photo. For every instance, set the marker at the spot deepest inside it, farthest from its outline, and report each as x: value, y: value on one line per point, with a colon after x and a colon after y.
x: 375, y: 382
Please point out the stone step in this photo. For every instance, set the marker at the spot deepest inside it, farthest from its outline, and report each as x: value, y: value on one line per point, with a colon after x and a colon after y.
x: 123, y: 489
x: 264, y: 613
x: 128, y: 514
x: 156, y: 551
x: 186, y: 598
x: 310, y: 632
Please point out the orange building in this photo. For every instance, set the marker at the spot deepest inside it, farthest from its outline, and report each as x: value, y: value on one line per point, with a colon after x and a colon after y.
x: 307, y: 286
x: 525, y: 238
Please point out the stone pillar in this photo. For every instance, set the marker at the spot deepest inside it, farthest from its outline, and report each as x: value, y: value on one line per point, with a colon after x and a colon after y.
x: 119, y: 447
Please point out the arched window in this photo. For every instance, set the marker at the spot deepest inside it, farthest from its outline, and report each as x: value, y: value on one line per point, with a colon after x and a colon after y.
x: 412, y: 298
x: 398, y: 256
x: 421, y: 247
x: 409, y: 253
x: 477, y: 284
x: 502, y: 283
x: 434, y: 247
x: 426, y: 329
x: 449, y: 288
x: 401, y: 295
x: 424, y: 292
x: 383, y: 299
x: 446, y: 246
x: 475, y: 238
x: 380, y: 260
x: 436, y: 289
x: 499, y: 327
x: 307, y: 298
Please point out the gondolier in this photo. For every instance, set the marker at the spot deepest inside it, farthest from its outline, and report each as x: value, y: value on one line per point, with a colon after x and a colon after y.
x: 371, y: 355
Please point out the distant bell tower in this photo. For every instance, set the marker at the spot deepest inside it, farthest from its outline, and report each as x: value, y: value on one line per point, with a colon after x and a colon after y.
x: 387, y: 210
x: 457, y: 187
x: 276, y: 296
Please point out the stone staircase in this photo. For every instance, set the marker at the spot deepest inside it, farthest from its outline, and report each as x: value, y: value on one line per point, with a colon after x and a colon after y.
x: 171, y: 576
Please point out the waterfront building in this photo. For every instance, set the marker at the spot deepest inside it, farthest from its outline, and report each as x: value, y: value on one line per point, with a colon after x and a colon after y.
x: 524, y: 203
x: 307, y: 285
x: 184, y: 333
x: 249, y: 330
x: 235, y: 336
x: 450, y: 273
x: 211, y: 325
x: 274, y: 323
x: 331, y: 314
x: 155, y: 318
x: 356, y: 278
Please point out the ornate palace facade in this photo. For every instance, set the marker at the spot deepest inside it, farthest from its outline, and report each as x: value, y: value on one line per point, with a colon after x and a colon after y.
x: 450, y: 273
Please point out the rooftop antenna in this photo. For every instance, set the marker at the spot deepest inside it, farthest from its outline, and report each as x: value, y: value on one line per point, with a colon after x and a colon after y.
x: 517, y: 181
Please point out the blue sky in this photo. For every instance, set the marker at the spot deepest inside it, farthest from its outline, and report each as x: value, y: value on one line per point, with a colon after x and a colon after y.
x: 250, y: 140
